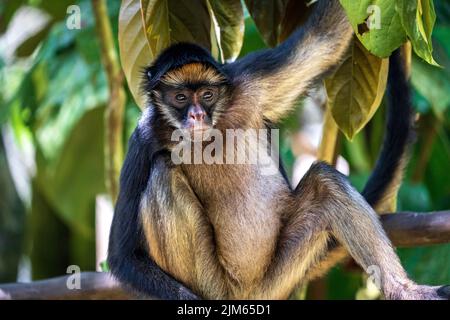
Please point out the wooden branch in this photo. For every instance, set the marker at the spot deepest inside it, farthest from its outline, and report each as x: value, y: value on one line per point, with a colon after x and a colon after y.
x: 93, y: 286
x: 404, y: 228
x: 412, y: 229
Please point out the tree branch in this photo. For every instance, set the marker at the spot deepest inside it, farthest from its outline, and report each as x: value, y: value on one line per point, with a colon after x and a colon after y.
x: 406, y: 229
x: 93, y: 286
x: 412, y: 229
x: 116, y: 104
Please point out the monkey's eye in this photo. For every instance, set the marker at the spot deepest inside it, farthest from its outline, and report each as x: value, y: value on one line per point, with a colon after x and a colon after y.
x: 207, y: 95
x: 181, y: 97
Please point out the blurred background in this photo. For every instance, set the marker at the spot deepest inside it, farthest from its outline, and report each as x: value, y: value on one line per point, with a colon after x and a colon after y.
x: 53, y: 93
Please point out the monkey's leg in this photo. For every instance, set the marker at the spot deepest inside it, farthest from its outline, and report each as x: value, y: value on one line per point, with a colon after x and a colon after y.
x: 388, y: 172
x: 329, y: 206
x: 333, y: 255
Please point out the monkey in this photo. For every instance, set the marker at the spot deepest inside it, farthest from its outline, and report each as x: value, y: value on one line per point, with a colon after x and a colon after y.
x: 228, y: 231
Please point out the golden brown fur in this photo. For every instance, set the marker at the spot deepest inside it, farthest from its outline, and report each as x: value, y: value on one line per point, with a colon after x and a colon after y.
x: 192, y: 73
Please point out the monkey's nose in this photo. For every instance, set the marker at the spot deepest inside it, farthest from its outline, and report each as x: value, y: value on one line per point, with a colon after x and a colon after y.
x: 197, y: 115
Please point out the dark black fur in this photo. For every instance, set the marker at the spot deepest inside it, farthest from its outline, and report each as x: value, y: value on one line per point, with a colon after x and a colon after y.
x: 127, y: 257
x: 399, y: 131
x: 444, y: 292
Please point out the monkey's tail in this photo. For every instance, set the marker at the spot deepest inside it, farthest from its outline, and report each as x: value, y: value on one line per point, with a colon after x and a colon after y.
x: 388, y: 173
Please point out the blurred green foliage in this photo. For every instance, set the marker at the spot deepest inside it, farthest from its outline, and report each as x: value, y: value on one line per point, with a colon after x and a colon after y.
x: 55, y: 98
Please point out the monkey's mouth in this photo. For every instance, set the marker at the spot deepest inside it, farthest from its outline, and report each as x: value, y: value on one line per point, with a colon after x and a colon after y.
x: 197, y: 126
x: 197, y: 131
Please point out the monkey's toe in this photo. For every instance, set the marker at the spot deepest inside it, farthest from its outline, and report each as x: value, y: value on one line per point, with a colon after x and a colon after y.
x: 444, y: 292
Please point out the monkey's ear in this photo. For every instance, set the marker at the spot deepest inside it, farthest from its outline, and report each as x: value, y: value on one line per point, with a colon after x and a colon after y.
x: 152, y: 76
x: 149, y: 73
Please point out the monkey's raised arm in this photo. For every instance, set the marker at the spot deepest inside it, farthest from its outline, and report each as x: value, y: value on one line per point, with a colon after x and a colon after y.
x: 127, y: 258
x: 274, y: 78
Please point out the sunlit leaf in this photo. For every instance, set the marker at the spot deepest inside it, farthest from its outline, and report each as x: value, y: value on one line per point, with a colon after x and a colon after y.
x: 214, y: 34
x: 356, y: 89
x: 134, y: 50
x: 230, y: 18
x: 418, y: 18
x: 386, y: 32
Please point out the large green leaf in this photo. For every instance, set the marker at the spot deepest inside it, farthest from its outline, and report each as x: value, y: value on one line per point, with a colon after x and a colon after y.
x: 168, y: 21
x: 135, y: 53
x: 418, y: 18
x: 230, y: 19
x: 277, y: 19
x: 379, y: 41
x: 356, y: 89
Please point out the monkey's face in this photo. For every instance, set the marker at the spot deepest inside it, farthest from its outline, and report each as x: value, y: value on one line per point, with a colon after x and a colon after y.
x: 191, y: 97
x: 190, y: 107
